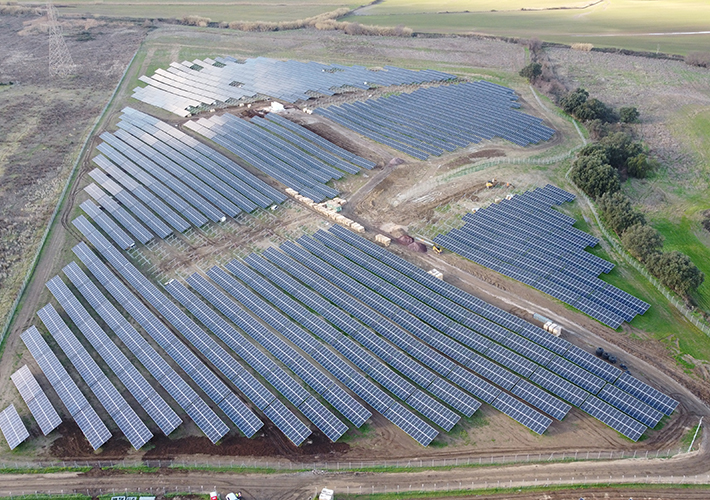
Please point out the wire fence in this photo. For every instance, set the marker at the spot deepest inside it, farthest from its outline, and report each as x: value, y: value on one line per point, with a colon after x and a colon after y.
x: 673, y: 299
x: 337, y: 465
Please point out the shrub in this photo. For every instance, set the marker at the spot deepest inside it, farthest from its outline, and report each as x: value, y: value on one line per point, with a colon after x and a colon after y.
x: 639, y: 166
x: 629, y: 115
x: 618, y: 212
x: 583, y: 47
x: 642, y: 241
x: 595, y: 177
x: 531, y: 71
x: 676, y: 271
x: 701, y: 59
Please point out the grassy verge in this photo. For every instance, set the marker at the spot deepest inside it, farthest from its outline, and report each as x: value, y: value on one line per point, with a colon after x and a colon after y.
x: 687, y: 438
x: 531, y: 489
x: 132, y: 469
x: 42, y: 470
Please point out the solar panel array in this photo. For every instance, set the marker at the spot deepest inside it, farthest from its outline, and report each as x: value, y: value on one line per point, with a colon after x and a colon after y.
x: 290, y: 388
x: 113, y: 402
x: 187, y: 87
x: 524, y: 239
x: 76, y: 404
x: 36, y: 400
x: 184, y: 395
x: 207, y: 380
x: 153, y: 404
x: 168, y: 181
x: 281, y: 153
x: 361, y: 313
x: 561, y: 368
x: 414, y: 123
x: 12, y: 427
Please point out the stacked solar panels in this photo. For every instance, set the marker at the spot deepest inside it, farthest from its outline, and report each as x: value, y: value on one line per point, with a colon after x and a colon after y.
x: 561, y: 368
x: 278, y: 151
x: 113, y: 402
x: 36, y: 400
x: 74, y: 401
x: 436, y: 120
x: 185, y: 86
x: 12, y: 427
x: 524, y: 239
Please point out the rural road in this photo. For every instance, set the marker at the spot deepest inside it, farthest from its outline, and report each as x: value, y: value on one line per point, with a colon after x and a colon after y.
x: 690, y: 468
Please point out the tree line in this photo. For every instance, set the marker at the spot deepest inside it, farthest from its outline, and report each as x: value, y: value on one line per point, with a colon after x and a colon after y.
x: 600, y: 168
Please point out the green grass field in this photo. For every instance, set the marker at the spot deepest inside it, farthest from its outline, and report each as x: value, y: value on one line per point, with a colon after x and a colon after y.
x: 218, y: 11
x: 617, y: 23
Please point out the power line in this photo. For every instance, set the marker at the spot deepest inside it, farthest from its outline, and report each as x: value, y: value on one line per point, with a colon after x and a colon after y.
x: 60, y: 62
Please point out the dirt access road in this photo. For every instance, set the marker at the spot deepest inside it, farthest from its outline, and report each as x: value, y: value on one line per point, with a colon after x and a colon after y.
x: 691, y: 468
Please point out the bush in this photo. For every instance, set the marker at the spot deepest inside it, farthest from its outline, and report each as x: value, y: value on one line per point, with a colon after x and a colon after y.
x: 531, y: 71
x: 629, y: 115
x: 578, y: 104
x: 583, y: 47
x: 642, y: 241
x: 618, y: 212
x: 595, y: 177
x: 701, y: 59
x: 676, y: 271
x: 619, y: 147
x: 639, y: 166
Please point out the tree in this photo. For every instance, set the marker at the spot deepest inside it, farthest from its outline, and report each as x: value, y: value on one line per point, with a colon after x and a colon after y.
x: 595, y: 177
x: 573, y: 100
x: 594, y: 109
x: 638, y: 166
x: 629, y: 115
x: 619, y: 147
x: 531, y: 71
x: 676, y: 271
x: 642, y: 241
x: 618, y: 212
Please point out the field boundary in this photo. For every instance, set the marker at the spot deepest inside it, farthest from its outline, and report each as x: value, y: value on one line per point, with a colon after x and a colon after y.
x: 403, y: 465
x: 60, y: 202
x: 703, y: 327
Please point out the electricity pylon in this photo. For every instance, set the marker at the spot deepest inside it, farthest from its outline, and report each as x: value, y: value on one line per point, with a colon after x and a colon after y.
x: 60, y: 61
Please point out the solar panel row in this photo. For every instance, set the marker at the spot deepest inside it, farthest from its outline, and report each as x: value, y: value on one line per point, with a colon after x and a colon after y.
x: 185, y: 396
x: 76, y: 404
x: 12, y: 427
x: 154, y: 405
x: 331, y: 426
x: 271, y: 153
x: 410, y: 275
x: 113, y: 402
x: 422, y: 432
x: 202, y: 84
x: 570, y: 275
x: 386, y: 351
x: 36, y: 400
x: 134, y: 227
x: 380, y: 372
x: 409, y: 123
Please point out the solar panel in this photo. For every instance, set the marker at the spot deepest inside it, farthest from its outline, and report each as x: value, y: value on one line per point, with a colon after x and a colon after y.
x: 532, y: 419
x: 541, y: 399
x: 122, y: 414
x: 652, y: 397
x: 331, y: 392
x: 209, y: 423
x: 130, y: 377
x: 613, y: 418
x: 12, y: 427
x: 36, y: 400
x: 630, y: 405
x: 262, y: 364
x: 78, y: 407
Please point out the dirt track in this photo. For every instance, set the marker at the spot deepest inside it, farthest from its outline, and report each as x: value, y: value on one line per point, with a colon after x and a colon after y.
x: 691, y: 468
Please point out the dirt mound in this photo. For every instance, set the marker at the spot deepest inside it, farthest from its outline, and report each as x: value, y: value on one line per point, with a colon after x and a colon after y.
x: 72, y: 445
x: 270, y: 444
x: 463, y: 160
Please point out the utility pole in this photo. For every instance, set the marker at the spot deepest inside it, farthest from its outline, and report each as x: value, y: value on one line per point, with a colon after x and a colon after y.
x: 60, y: 61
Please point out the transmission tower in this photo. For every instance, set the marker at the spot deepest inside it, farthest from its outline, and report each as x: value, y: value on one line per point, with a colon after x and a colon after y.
x: 60, y: 61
